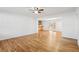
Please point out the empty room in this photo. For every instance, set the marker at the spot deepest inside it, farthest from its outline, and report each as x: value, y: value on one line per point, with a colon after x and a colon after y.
x: 39, y: 29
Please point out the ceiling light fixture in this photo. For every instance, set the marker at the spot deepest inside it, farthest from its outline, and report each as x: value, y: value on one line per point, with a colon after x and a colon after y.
x: 36, y: 12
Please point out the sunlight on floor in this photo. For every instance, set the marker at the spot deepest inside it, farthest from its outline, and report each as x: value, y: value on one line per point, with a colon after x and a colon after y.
x: 54, y: 40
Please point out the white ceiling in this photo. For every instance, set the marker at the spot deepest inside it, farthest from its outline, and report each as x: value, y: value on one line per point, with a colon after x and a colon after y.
x: 26, y: 10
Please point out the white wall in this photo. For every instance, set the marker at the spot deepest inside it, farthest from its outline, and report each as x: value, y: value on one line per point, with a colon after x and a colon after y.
x: 51, y: 24
x: 69, y: 21
x: 69, y: 25
x: 77, y: 25
x: 13, y: 25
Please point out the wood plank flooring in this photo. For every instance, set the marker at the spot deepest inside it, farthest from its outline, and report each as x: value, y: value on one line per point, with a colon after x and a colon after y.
x: 39, y: 42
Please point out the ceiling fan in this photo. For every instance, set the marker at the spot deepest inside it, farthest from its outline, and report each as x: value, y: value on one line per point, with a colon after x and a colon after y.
x: 37, y: 10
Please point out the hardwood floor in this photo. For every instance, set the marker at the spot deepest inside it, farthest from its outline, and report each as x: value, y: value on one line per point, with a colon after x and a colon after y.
x: 42, y: 42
